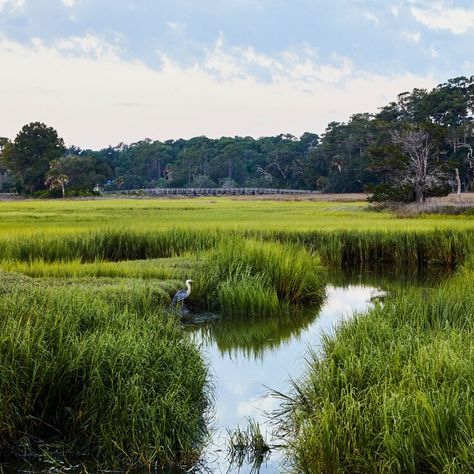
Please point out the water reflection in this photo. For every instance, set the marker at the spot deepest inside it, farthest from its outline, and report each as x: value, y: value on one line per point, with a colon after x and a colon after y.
x: 251, y: 338
x: 248, y: 357
x: 390, y: 277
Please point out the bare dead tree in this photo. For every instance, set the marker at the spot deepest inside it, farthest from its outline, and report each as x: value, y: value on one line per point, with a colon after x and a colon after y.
x: 421, y: 153
x: 470, y: 160
x: 281, y: 163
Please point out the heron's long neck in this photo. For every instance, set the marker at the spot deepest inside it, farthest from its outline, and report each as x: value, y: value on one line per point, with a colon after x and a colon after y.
x: 188, y: 285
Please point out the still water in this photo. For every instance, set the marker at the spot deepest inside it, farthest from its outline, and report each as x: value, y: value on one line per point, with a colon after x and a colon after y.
x: 248, y: 358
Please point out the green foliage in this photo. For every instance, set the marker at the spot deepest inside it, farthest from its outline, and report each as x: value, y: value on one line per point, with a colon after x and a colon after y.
x: 84, y: 173
x: 393, y: 390
x: 98, y: 373
x: 248, y: 446
x: 346, y: 158
x: 240, y: 277
x: 391, y: 193
x: 30, y: 154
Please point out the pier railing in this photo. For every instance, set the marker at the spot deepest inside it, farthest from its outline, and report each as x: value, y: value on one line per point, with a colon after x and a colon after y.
x: 209, y: 191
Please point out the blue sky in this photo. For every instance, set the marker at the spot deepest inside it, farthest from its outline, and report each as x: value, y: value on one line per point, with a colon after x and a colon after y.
x: 104, y: 71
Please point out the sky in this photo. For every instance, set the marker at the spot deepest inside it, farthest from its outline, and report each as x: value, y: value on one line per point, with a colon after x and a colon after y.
x: 108, y: 71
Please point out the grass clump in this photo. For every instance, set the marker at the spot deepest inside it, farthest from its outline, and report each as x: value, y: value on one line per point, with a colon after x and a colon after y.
x: 393, y: 391
x: 248, y: 296
x: 98, y: 378
x: 247, y: 446
x: 256, y: 277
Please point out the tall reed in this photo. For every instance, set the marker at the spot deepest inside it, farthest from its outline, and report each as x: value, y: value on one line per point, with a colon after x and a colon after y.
x: 108, y: 244
x: 242, y: 276
x: 371, y: 248
x: 393, y: 391
x: 99, y: 377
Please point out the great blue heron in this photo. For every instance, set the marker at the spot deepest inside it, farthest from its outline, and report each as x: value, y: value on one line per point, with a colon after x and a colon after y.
x: 181, y: 295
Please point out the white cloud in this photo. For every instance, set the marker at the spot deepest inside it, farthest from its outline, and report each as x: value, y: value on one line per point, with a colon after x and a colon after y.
x: 13, y: 5
x: 87, y: 45
x: 411, y: 36
x: 257, y: 407
x: 434, y: 52
x: 70, y: 3
x: 372, y: 17
x: 301, y: 64
x: 95, y: 98
x: 439, y: 16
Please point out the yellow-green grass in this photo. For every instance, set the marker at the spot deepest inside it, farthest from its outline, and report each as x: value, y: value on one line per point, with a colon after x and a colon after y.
x: 86, y: 248
x: 124, y: 229
x: 65, y: 217
x: 161, y: 269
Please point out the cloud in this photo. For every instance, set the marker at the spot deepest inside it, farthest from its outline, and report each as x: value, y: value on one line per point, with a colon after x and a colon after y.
x: 439, y: 16
x: 257, y: 407
x: 395, y: 10
x: 70, y: 3
x: 411, y: 36
x: 468, y: 66
x: 372, y: 17
x: 12, y: 5
x: 298, y: 64
x: 85, y: 89
x: 88, y: 45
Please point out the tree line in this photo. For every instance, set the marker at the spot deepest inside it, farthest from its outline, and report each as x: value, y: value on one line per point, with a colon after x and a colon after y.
x: 417, y: 146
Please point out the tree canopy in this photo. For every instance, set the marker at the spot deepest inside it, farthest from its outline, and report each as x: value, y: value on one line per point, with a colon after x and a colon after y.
x: 30, y: 154
x: 362, y: 153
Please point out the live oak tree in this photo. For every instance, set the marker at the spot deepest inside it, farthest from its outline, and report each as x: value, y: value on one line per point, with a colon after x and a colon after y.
x: 30, y: 154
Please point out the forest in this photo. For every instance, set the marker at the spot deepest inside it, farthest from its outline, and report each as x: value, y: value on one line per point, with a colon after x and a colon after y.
x: 369, y: 152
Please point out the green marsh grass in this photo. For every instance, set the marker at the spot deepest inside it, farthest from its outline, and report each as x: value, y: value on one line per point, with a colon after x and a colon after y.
x: 58, y: 217
x: 105, y: 245
x: 357, y: 249
x: 346, y: 234
x: 145, y: 269
x: 392, y: 391
x: 290, y: 272
x: 248, y: 446
x: 248, y: 296
x: 90, y: 358
x: 99, y: 377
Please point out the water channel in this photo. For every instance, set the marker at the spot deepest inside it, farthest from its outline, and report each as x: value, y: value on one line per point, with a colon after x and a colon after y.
x: 249, y: 357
